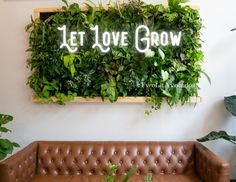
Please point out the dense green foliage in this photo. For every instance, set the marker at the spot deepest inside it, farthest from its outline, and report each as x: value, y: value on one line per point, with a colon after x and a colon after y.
x: 6, y: 146
x: 173, y: 72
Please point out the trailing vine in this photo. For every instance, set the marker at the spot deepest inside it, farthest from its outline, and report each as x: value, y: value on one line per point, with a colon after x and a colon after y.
x: 162, y: 72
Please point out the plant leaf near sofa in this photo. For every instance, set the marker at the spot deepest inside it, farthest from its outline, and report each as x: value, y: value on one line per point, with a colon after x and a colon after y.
x: 6, y: 146
x: 112, y: 173
x: 230, y: 105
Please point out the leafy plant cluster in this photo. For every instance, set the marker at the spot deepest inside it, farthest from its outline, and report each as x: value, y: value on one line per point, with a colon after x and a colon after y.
x: 112, y: 174
x: 6, y: 146
x: 171, y: 72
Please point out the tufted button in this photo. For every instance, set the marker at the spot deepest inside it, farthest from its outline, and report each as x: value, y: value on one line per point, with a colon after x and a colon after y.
x: 121, y: 162
x: 74, y: 160
x: 81, y: 152
x: 66, y: 172
x: 138, y: 152
x: 161, y: 152
x: 180, y: 161
x: 174, y: 171
x: 162, y: 171
x: 138, y: 171
x: 109, y: 161
x: 168, y: 161
x: 92, y: 152
x: 132, y: 162
x: 150, y: 152
x: 173, y: 152
x: 57, y: 171
x: 104, y: 152
x: 92, y: 171
x: 127, y: 152
x: 145, y: 162
x: 156, y: 162
x: 78, y: 172
x: 115, y: 152
x: 98, y: 161
x: 86, y: 162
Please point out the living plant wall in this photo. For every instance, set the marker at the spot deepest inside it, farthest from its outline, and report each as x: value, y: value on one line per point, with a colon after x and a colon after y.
x: 158, y: 70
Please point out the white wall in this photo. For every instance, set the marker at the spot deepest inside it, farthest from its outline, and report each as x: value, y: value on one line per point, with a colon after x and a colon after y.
x: 120, y: 121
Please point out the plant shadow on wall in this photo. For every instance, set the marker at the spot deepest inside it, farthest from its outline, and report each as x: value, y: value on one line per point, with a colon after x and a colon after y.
x: 170, y: 72
x: 6, y: 146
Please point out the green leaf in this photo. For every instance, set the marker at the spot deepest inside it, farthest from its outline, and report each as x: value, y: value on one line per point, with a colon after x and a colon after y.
x: 2, y: 155
x: 69, y: 63
x: 65, y: 2
x: 207, y: 76
x: 121, y: 68
x: 129, y: 173
x: 164, y: 75
x: 214, y: 135
x: 4, y: 119
x: 148, y: 178
x: 5, y: 130
x: 167, y: 93
x: 6, y: 146
x: 161, y: 53
x: 230, y: 104
x: 111, y: 172
x: 15, y: 144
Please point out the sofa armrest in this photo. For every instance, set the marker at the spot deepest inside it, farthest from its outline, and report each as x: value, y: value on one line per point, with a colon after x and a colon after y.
x: 209, y: 167
x: 21, y: 166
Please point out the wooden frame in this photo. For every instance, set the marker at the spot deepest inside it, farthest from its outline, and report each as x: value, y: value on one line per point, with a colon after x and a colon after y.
x: 193, y: 100
x: 83, y: 7
x: 37, y: 11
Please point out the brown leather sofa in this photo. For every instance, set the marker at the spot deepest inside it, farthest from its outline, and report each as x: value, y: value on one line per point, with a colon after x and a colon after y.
x: 50, y: 161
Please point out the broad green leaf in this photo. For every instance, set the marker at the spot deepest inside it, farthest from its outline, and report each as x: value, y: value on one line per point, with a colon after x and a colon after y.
x: 230, y: 104
x: 214, y: 135
x: 5, y: 130
x: 15, y: 144
x: 164, y: 75
x: 2, y: 155
x: 167, y: 93
x: 129, y: 173
x: 161, y: 53
x: 4, y: 119
x: 148, y: 178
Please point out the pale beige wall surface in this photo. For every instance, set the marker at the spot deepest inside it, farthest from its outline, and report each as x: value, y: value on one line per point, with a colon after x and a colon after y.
x: 120, y: 121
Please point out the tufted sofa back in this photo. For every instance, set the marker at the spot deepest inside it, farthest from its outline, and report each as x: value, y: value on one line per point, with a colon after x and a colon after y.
x: 91, y: 158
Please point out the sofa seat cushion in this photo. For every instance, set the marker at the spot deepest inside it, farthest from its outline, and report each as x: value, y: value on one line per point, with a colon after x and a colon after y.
x: 99, y: 178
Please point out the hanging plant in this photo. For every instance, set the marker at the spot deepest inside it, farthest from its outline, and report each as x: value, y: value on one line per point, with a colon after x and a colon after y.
x: 170, y: 72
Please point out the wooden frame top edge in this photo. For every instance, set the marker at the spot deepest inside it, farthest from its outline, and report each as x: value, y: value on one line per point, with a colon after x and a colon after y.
x: 83, y: 7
